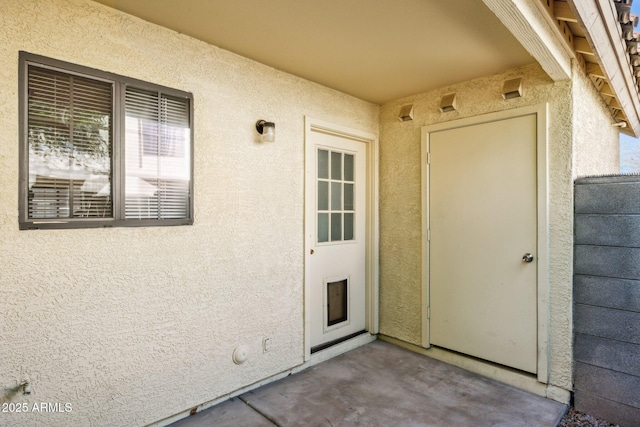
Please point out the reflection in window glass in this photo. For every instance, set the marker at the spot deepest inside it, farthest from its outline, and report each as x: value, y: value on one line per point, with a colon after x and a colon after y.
x: 348, y: 197
x: 336, y: 165
x: 69, y: 137
x: 323, y: 227
x: 335, y: 196
x: 323, y: 195
x: 348, y: 167
x: 323, y: 164
x: 91, y: 166
x: 157, y: 160
x: 336, y: 227
x: 348, y: 226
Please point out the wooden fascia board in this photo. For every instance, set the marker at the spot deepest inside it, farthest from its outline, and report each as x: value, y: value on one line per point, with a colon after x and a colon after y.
x: 525, y: 20
x: 599, y: 18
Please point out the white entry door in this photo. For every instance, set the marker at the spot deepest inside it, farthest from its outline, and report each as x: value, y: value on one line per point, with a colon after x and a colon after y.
x: 483, y: 241
x: 336, y: 212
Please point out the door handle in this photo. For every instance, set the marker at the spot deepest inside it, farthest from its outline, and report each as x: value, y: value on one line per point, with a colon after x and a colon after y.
x: 527, y: 257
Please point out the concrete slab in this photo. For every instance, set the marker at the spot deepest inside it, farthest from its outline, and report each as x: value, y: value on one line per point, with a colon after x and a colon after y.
x: 382, y: 385
x: 232, y: 413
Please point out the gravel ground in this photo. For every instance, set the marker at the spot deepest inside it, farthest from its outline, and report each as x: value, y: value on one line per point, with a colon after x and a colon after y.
x: 579, y: 419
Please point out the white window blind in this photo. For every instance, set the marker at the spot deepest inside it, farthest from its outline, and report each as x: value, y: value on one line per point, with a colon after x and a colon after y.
x: 101, y: 150
x: 69, y: 142
x: 157, y: 155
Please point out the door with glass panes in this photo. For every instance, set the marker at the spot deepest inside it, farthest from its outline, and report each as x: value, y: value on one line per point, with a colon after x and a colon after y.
x: 338, y: 240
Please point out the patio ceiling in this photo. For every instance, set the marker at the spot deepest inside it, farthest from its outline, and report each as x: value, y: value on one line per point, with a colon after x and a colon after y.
x: 376, y: 50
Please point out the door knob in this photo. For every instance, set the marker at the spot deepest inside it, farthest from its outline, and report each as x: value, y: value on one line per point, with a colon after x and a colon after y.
x: 527, y: 257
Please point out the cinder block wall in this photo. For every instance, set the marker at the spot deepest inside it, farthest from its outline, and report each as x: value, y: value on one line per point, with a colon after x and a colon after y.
x: 607, y: 298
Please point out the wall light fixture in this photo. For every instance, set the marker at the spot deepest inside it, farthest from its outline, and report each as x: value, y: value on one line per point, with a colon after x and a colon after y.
x: 267, y: 130
x: 512, y: 89
x: 406, y: 113
x: 448, y: 103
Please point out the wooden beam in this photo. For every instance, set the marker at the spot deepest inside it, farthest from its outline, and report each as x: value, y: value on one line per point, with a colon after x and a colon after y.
x: 527, y: 21
x: 621, y: 117
x: 581, y: 45
x: 597, y: 82
x: 595, y: 70
x: 563, y: 12
x: 614, y: 103
x: 547, y: 7
x: 606, y: 90
x: 600, y: 21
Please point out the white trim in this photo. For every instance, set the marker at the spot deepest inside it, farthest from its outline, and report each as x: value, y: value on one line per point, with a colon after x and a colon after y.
x: 527, y: 23
x: 425, y: 257
x: 372, y: 247
x: 541, y: 112
x: 338, y: 349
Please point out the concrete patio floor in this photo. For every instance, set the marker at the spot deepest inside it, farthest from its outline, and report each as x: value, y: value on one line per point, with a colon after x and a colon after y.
x: 380, y: 384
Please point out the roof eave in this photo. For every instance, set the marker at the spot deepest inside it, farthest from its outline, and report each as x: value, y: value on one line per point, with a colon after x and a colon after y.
x: 528, y: 24
x: 599, y: 18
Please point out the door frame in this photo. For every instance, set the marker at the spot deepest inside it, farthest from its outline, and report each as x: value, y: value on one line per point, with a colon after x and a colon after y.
x: 372, y: 227
x: 542, y: 138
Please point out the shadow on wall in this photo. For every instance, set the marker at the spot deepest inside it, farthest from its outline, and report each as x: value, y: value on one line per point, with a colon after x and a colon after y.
x: 10, y: 394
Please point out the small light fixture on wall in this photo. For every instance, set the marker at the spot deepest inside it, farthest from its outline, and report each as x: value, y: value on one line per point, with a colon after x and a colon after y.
x: 406, y: 113
x: 448, y: 103
x: 267, y: 130
x: 512, y: 89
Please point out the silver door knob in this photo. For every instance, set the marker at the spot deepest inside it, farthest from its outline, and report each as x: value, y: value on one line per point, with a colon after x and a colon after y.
x: 527, y: 257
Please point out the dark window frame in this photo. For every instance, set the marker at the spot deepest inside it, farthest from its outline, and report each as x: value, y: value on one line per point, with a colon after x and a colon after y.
x: 118, y: 141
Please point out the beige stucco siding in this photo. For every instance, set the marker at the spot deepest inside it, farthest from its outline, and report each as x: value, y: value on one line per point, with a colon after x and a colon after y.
x: 400, y: 210
x: 131, y: 325
x: 595, y: 142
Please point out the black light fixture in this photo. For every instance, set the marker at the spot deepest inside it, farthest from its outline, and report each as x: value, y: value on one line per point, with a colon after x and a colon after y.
x: 267, y: 130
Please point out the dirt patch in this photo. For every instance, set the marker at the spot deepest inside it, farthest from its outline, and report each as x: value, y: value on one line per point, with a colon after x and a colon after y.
x: 575, y: 418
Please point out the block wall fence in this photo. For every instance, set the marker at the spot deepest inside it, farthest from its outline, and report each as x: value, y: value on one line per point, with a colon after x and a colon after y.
x: 606, y: 310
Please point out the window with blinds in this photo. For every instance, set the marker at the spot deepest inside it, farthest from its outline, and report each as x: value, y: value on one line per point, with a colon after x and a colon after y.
x: 69, y: 130
x: 157, y: 155
x: 98, y: 149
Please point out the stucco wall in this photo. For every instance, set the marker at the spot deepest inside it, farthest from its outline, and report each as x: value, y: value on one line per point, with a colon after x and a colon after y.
x: 400, y: 199
x: 131, y: 325
x: 595, y: 142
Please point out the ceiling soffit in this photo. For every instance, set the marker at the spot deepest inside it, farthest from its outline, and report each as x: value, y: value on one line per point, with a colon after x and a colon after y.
x: 377, y: 51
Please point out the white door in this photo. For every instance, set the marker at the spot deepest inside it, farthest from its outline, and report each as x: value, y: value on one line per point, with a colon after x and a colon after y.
x: 337, y: 179
x: 483, y: 225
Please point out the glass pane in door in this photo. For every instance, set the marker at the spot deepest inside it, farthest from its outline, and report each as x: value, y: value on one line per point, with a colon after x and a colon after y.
x: 323, y: 164
x: 335, y: 196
